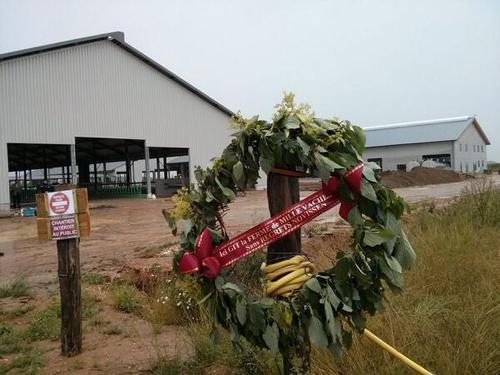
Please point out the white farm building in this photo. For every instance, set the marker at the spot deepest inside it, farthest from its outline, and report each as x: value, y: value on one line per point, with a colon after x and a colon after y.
x: 456, y: 143
x: 78, y: 110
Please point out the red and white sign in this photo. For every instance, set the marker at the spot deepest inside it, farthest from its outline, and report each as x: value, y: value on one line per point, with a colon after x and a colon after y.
x: 61, y: 203
x: 63, y: 227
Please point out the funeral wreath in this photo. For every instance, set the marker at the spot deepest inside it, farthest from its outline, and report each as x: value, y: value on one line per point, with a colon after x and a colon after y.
x: 299, y: 307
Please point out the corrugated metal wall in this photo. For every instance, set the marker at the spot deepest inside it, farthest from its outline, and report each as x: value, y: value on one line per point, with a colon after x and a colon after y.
x: 402, y: 154
x: 468, y: 151
x: 101, y: 90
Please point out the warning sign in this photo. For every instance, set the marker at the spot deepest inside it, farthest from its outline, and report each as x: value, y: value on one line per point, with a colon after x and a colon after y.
x: 61, y: 203
x: 63, y: 227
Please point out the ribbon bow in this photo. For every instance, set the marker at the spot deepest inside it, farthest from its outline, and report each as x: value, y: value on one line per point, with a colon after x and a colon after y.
x: 353, y: 180
x: 201, y: 260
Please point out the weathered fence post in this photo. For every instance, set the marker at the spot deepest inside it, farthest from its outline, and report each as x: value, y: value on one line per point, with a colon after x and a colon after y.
x: 282, y: 192
x: 68, y: 260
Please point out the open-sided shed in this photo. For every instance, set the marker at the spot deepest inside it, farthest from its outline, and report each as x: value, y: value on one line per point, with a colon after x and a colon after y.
x: 78, y: 105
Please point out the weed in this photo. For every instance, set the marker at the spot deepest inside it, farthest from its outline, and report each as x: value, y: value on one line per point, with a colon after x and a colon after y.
x: 95, y: 278
x: 11, y: 341
x: 91, y: 305
x: 217, y: 357
x: 126, y: 298
x: 45, y: 324
x: 18, y: 287
x: 26, y: 363
x: 18, y: 311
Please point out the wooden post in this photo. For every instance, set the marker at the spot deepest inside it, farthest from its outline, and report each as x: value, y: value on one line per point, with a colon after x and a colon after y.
x: 68, y: 260
x: 282, y: 192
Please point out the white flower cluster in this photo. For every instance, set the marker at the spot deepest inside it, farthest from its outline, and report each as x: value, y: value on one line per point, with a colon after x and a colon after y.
x: 182, y: 300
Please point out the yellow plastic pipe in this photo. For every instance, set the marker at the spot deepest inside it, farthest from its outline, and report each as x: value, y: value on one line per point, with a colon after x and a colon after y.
x: 407, y: 361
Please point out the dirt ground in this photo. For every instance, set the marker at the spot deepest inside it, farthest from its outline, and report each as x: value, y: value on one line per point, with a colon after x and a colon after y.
x: 123, y: 230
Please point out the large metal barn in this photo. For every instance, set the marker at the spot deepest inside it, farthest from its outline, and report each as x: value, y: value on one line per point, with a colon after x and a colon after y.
x: 97, y: 112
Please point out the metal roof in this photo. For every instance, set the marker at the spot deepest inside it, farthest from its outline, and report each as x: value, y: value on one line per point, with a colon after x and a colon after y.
x: 440, y: 130
x: 117, y: 38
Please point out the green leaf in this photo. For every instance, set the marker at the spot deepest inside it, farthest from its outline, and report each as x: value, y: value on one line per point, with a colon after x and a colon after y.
x: 266, y: 164
x: 332, y: 297
x: 317, y: 333
x: 225, y: 190
x: 404, y: 252
x: 359, y: 139
x: 256, y: 319
x: 374, y: 237
x: 314, y: 285
x: 354, y: 217
x: 395, y: 278
x: 271, y: 337
x: 393, y: 263
x: 232, y: 286
x: 333, y: 325
x: 392, y: 223
x: 325, y: 166
x: 368, y: 173
x: 210, y: 197
x: 291, y: 123
x: 367, y: 191
x: 241, y: 311
x: 238, y: 173
x: 305, y: 147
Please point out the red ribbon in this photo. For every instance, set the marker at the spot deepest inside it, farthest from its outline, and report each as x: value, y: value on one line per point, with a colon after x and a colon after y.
x: 209, y: 260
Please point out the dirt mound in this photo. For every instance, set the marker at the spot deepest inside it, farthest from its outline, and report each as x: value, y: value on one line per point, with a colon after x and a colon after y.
x: 417, y: 176
x: 420, y: 176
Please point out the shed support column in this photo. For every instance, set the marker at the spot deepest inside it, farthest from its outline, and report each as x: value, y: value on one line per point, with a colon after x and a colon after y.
x: 157, y: 177
x: 148, y: 172
x: 73, y: 164
x: 44, y: 165
x: 25, y: 184
x: 83, y: 172
x: 127, y: 165
x: 4, y: 178
x: 165, y: 167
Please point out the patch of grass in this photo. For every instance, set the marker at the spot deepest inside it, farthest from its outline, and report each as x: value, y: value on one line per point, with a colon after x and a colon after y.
x: 95, y: 278
x: 447, y: 319
x: 45, y: 324
x: 11, y: 340
x: 18, y: 287
x: 26, y: 363
x: 18, y: 311
x: 90, y: 305
x: 162, y: 309
x: 126, y: 298
x: 248, y: 273
x: 219, y: 357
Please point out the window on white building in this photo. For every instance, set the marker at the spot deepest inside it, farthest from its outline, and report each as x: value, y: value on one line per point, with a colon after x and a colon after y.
x: 460, y: 147
x: 466, y: 147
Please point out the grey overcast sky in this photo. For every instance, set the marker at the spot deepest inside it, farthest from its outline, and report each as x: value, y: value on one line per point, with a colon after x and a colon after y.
x: 372, y: 62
